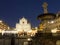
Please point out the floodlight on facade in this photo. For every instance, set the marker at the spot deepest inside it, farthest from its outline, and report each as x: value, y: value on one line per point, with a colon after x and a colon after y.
x: 50, y: 21
x: 55, y: 30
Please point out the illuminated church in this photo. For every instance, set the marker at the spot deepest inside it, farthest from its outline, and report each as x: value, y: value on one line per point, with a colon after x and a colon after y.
x: 23, y: 25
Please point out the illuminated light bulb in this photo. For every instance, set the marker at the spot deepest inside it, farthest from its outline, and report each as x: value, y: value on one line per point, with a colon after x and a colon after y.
x: 0, y: 21
x: 29, y: 39
x: 54, y: 30
x: 52, y: 21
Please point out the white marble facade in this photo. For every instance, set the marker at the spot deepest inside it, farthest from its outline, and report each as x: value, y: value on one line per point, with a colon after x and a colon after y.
x: 23, y: 25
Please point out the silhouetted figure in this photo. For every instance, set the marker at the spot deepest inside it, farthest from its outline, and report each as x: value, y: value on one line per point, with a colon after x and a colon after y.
x: 12, y: 40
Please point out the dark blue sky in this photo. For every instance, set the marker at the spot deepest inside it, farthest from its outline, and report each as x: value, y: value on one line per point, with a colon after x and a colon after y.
x: 13, y: 10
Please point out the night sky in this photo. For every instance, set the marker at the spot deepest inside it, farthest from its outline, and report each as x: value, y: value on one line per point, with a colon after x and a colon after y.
x: 13, y: 10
